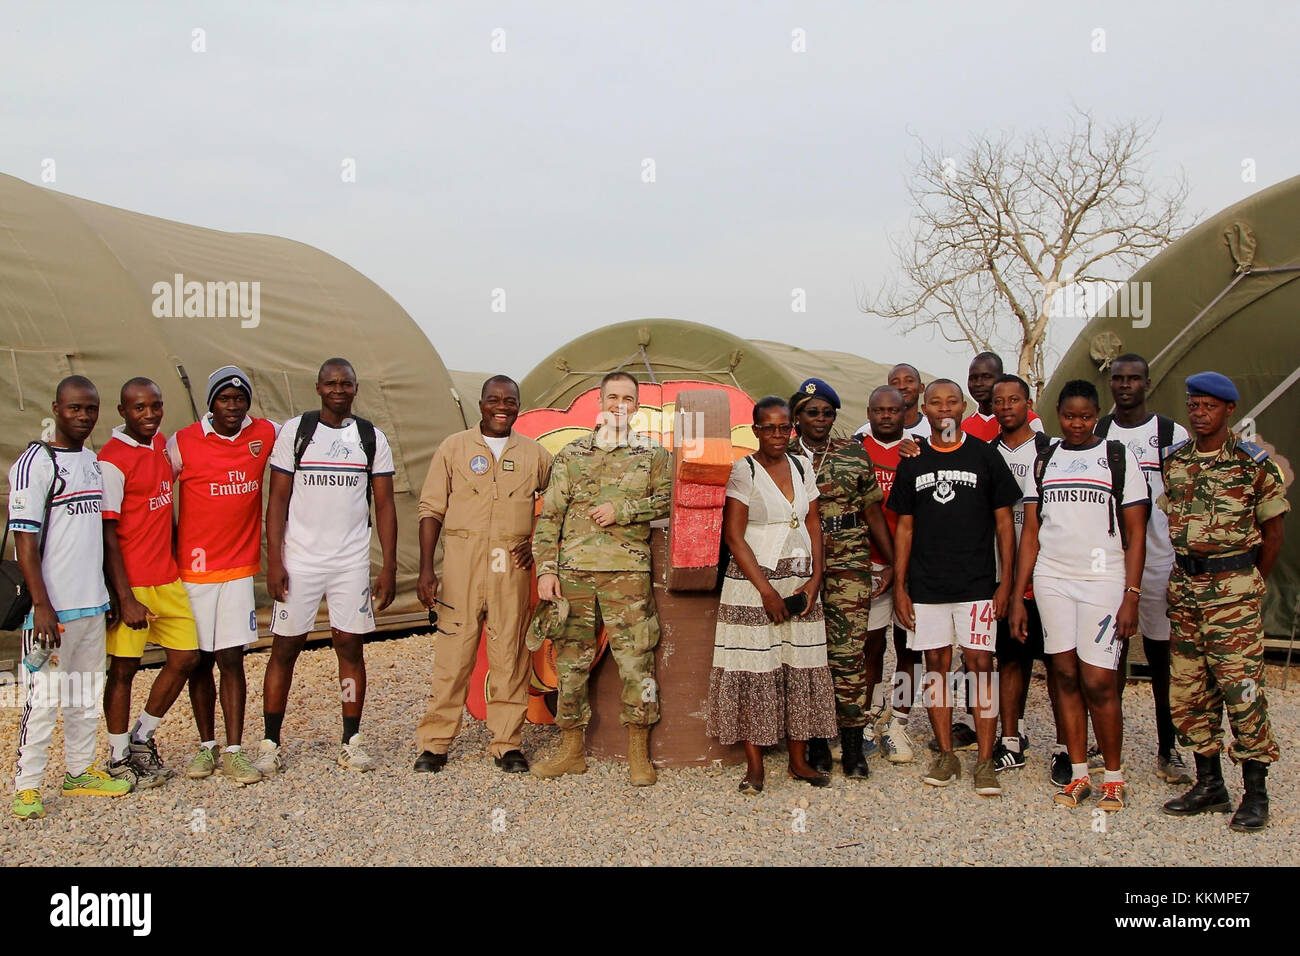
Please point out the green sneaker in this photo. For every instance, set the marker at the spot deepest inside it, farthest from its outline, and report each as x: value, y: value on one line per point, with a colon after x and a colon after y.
x: 28, y: 806
x: 238, y: 768
x: 204, y: 763
x: 944, y: 771
x: 986, y: 779
x: 94, y: 783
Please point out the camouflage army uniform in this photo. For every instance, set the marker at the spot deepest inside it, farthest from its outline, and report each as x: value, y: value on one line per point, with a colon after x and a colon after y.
x: 1215, y: 507
x: 604, y: 572
x: 846, y: 479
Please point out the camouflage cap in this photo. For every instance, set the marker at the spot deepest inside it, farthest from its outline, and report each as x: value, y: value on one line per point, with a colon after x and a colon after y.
x: 548, y: 619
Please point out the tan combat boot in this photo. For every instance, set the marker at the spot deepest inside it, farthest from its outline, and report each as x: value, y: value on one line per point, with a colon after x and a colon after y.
x: 570, y: 758
x: 639, y: 769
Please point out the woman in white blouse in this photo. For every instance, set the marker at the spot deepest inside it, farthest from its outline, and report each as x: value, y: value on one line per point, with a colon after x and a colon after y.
x: 770, y: 679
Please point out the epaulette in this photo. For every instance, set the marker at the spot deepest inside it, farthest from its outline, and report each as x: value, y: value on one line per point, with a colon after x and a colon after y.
x: 1170, y: 449
x: 1254, y: 451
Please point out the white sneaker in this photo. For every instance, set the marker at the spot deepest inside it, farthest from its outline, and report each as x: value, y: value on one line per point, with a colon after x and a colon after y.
x: 895, y: 744
x: 353, y: 756
x: 270, y: 758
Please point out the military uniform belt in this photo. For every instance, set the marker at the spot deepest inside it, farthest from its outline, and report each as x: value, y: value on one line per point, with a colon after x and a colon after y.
x: 840, y: 522
x: 1192, y: 565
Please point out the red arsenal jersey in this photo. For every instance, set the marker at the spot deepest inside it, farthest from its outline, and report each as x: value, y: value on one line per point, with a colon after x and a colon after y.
x: 219, y: 483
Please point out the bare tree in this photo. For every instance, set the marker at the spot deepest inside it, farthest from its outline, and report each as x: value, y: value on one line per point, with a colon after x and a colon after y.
x: 999, y: 233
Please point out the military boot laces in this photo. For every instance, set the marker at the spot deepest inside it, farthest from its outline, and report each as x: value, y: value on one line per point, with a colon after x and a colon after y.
x: 1253, y: 813
x: 1208, y: 794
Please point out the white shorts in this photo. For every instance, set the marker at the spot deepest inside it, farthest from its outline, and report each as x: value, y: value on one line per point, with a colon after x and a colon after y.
x: 1080, y: 616
x: 968, y: 624
x: 225, y: 613
x: 882, y: 606
x: 346, y: 594
x: 1153, y: 605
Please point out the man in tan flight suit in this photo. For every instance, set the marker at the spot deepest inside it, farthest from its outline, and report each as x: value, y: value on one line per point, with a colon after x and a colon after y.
x: 478, y: 497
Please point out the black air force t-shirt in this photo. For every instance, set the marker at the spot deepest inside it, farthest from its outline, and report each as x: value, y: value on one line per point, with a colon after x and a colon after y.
x: 951, y: 496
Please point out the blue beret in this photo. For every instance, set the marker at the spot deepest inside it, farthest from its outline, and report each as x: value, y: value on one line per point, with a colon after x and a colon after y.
x: 1214, y: 385
x: 816, y: 388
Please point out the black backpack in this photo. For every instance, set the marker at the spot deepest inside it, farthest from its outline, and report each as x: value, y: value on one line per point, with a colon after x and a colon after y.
x: 724, y: 553
x: 15, y: 600
x: 1118, y: 465
x: 365, y: 431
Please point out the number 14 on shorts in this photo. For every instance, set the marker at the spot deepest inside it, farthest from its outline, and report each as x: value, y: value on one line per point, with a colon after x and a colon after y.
x: 982, y: 625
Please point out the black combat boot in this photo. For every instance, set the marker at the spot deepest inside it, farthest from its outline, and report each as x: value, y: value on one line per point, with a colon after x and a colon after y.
x: 851, y: 756
x: 1208, y: 794
x: 1253, y: 812
x: 818, y: 754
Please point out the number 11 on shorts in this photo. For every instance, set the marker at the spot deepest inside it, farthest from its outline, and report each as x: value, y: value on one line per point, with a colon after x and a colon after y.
x: 981, y: 624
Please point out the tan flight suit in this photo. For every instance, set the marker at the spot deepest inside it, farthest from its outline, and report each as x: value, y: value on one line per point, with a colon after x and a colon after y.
x: 486, y: 509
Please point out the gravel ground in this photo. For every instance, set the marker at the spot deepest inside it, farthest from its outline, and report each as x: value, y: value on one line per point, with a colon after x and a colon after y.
x: 471, y: 813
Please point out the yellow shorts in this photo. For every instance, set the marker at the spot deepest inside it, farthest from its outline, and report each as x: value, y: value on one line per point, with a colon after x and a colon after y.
x: 172, y: 626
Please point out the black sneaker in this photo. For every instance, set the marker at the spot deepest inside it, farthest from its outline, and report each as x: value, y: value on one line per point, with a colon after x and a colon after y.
x: 1061, y: 769
x: 963, y: 738
x: 1024, y: 743
x: 1005, y: 759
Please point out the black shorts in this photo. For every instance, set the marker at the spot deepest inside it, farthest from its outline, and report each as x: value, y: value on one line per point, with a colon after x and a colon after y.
x: 1009, y: 649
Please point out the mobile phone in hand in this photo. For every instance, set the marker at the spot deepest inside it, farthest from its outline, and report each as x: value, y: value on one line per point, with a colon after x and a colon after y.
x: 796, y: 603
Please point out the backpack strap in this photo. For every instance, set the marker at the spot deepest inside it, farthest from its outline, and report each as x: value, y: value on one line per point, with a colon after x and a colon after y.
x: 1103, y: 425
x: 1040, y: 466
x: 1164, y: 431
x: 798, y: 465
x: 366, y: 432
x: 1118, y: 466
x: 1042, y: 441
x: 306, y: 429
x: 57, y: 486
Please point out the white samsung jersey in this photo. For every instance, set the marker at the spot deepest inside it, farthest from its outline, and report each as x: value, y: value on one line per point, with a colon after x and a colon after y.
x: 329, y: 521
x: 1074, y: 540
x: 1143, y: 441
x: 73, y: 564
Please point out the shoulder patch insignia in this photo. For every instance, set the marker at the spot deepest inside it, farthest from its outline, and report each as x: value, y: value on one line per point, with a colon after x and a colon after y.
x: 1170, y: 449
x: 1254, y: 451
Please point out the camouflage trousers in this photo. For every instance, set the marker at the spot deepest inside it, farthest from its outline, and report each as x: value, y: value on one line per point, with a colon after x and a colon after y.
x: 624, y: 603
x: 846, y: 602
x: 1216, y: 661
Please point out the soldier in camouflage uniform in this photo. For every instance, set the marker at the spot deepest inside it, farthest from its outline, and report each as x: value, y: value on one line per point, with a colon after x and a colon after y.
x: 591, y: 545
x: 850, y: 508
x: 1225, y: 501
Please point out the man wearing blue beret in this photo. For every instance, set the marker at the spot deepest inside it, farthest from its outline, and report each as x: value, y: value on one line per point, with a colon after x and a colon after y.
x: 1225, y: 500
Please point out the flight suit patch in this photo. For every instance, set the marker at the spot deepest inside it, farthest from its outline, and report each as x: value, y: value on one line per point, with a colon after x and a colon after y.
x: 479, y: 465
x: 507, y: 465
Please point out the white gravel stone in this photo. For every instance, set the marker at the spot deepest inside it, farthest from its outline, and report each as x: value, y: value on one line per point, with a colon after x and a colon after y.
x: 321, y: 814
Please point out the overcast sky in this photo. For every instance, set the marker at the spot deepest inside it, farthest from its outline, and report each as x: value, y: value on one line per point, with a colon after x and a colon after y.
x: 522, y: 169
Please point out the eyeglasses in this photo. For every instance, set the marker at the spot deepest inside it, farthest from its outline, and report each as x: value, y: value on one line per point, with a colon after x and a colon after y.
x: 784, y: 430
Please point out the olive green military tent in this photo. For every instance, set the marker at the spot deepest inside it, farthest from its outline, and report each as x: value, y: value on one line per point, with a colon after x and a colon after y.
x: 111, y: 294
x: 1225, y: 298
x: 469, y: 385
x: 659, y: 350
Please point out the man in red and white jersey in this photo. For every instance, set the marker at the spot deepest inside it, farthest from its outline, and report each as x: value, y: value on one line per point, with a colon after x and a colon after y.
x: 219, y: 464
x: 150, y: 603
x: 886, y: 410
x: 983, y: 423
x: 907, y: 380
